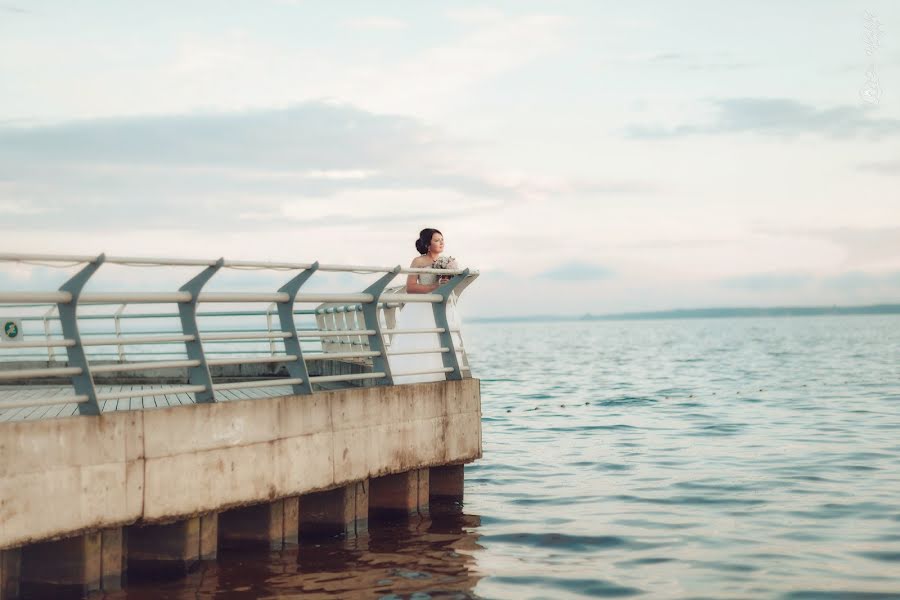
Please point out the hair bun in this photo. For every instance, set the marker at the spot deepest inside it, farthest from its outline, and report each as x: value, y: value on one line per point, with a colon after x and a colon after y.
x: 424, y: 241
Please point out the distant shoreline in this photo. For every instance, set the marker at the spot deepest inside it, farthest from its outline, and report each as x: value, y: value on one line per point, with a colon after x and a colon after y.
x: 708, y: 313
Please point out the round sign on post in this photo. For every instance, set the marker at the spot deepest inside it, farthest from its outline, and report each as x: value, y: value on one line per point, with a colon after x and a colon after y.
x: 12, y: 330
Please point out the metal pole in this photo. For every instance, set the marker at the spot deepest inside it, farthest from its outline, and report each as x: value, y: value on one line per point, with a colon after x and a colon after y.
x: 296, y: 368
x: 117, y: 321
x: 51, y: 355
x: 198, y: 375
x: 68, y: 319
x: 370, y: 317
x: 269, y: 326
x: 440, y: 319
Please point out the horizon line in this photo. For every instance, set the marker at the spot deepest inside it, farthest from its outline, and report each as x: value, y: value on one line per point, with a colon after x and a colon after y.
x: 713, y: 312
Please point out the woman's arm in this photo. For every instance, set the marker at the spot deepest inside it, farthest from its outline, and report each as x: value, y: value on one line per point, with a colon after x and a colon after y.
x: 412, y: 282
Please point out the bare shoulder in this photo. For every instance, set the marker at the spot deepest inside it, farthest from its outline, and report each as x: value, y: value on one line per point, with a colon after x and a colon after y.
x: 419, y: 262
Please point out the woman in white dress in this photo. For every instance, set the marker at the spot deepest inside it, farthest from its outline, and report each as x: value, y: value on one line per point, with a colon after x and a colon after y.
x: 419, y: 315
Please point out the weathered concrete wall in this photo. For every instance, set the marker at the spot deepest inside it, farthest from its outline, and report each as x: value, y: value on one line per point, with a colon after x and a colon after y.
x: 62, y: 476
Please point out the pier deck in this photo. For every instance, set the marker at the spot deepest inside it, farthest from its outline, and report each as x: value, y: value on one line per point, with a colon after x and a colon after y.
x: 16, y: 393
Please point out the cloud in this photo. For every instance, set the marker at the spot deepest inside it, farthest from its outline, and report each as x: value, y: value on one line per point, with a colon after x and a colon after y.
x: 475, y: 15
x: 779, y: 117
x: 768, y: 281
x: 721, y: 61
x: 317, y: 162
x: 885, y: 167
x: 577, y: 271
x: 862, y: 245
x: 854, y: 285
x: 312, y: 136
x: 861, y: 280
x: 9, y: 8
x: 376, y: 23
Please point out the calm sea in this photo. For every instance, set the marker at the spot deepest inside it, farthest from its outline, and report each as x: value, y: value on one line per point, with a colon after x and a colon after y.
x: 721, y: 458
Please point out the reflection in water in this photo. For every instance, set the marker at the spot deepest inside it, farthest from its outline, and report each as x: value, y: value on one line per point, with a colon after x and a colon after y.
x: 427, y: 557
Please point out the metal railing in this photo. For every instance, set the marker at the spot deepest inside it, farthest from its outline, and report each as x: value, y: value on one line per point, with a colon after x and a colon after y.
x: 355, y: 327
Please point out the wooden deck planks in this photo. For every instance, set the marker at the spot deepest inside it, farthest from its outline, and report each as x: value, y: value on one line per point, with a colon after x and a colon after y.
x: 153, y: 396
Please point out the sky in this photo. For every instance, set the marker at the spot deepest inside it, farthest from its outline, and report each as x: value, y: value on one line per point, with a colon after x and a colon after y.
x: 585, y: 156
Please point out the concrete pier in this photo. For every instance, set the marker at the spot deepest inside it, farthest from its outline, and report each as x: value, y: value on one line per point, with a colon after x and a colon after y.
x: 173, y: 547
x: 83, y: 563
x: 270, y: 525
x: 91, y: 499
x: 399, y: 495
x: 447, y: 482
x: 342, y: 511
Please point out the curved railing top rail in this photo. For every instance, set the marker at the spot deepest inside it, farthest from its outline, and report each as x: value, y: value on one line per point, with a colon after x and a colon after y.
x: 375, y: 297
x: 75, y: 259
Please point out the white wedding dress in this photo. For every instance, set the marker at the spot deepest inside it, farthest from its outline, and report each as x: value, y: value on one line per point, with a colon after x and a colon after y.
x: 419, y: 315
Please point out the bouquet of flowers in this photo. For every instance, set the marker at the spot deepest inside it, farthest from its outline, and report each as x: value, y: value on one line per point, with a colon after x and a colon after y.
x: 444, y: 262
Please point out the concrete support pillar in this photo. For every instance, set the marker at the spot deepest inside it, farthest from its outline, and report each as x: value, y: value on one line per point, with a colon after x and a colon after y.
x: 112, y: 559
x: 79, y: 564
x: 447, y: 482
x: 271, y: 524
x: 172, y: 548
x: 403, y: 494
x: 10, y: 561
x: 342, y: 511
x: 209, y: 536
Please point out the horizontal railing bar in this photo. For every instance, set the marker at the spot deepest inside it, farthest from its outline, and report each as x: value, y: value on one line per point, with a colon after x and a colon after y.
x: 133, y: 297
x: 251, y: 361
x: 406, y: 331
x: 42, y: 344
x: 223, y: 313
x: 347, y: 298
x: 82, y: 258
x: 240, y: 385
x: 50, y: 401
x: 351, y: 377
x: 181, y: 389
x: 340, y: 355
x: 265, y: 265
x: 314, y: 334
x: 404, y: 352
x: 253, y: 335
x: 207, y: 341
x: 42, y: 297
x: 167, y: 297
x: 28, y: 373
x: 170, y: 331
x: 425, y: 372
x: 243, y: 297
x: 394, y: 297
x: 180, y: 262
x: 137, y: 340
x: 143, y: 366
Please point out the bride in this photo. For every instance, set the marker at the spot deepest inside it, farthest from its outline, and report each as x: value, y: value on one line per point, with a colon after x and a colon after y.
x: 419, y: 315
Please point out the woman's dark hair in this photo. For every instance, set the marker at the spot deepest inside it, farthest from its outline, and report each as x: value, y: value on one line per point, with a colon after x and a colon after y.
x: 424, y: 240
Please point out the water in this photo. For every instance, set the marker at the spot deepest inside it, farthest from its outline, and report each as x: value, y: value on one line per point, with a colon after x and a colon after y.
x: 722, y: 458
